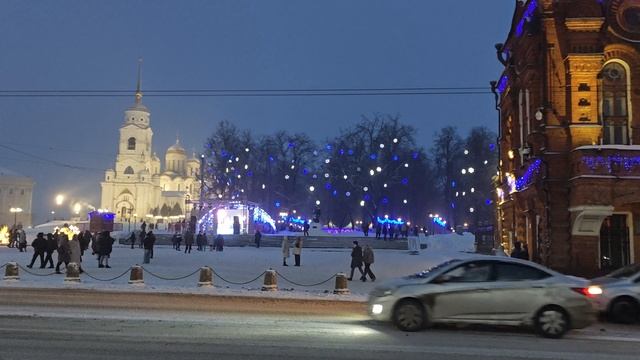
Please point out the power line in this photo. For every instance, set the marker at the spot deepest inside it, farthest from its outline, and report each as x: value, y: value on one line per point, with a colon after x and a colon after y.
x: 52, y: 162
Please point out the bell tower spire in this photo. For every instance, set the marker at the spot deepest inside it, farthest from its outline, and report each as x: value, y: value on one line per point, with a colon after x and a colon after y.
x: 138, y: 91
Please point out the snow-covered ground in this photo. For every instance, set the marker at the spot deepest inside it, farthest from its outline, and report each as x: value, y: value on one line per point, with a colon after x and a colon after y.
x: 240, y: 264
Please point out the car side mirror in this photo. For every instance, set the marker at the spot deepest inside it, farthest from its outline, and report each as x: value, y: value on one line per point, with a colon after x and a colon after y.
x: 441, y: 279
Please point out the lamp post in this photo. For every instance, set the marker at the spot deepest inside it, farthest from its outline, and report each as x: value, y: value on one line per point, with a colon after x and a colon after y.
x: 15, y: 212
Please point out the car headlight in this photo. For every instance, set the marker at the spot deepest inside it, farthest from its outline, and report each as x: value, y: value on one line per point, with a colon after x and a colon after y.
x: 376, y: 309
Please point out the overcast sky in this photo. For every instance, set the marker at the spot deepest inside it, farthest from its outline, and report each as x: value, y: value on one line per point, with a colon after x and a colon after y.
x: 235, y: 44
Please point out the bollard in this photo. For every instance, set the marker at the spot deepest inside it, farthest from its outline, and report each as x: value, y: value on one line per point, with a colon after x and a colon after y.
x: 73, y: 273
x: 11, y: 271
x: 206, y: 276
x: 341, y: 284
x: 136, y: 275
x: 270, y: 281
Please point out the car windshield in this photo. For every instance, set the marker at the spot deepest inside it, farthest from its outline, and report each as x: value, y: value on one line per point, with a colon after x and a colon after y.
x: 625, y: 272
x: 429, y: 271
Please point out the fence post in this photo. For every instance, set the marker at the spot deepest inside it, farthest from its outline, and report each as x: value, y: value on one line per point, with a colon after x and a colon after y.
x: 72, y: 273
x: 206, y: 276
x: 270, y: 281
x: 11, y: 271
x: 341, y: 284
x: 136, y: 275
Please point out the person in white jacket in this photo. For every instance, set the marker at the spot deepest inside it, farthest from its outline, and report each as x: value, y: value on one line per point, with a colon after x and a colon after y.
x: 285, y: 250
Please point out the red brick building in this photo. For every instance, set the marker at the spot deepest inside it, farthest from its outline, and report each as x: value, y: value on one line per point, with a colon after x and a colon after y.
x: 569, y: 176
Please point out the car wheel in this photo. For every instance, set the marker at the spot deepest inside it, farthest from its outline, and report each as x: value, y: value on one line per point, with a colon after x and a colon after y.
x: 409, y: 315
x: 624, y: 311
x: 552, y: 322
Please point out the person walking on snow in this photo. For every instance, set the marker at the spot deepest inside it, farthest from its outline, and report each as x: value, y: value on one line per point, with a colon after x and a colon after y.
x: 188, y: 241
x: 105, y: 247
x: 257, y: 237
x: 356, y: 260
x: 149, y: 240
x: 285, y: 250
x: 368, y: 258
x: 39, y: 247
x: 52, y: 245
x: 64, y: 252
x: 297, y: 251
x: 132, y: 238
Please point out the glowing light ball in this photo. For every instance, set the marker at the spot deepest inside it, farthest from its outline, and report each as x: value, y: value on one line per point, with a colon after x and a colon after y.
x: 4, y: 235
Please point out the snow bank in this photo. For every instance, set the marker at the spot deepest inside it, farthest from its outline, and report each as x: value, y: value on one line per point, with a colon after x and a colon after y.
x: 450, y: 243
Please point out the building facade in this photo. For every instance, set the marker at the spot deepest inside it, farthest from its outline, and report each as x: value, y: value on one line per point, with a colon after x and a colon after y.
x: 16, y: 193
x: 138, y: 187
x: 569, y: 177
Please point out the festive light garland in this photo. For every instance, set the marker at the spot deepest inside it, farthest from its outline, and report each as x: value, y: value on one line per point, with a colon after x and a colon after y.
x: 526, y: 17
x: 529, y: 176
x: 608, y: 162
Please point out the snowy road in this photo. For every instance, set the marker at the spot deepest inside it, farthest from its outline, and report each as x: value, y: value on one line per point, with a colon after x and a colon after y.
x: 119, y: 335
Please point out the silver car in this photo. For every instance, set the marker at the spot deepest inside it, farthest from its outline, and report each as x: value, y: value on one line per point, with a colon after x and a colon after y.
x: 486, y: 290
x: 619, y: 295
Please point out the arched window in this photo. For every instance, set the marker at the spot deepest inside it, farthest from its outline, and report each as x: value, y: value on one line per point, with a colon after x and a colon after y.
x: 615, y: 114
x: 128, y: 170
x: 131, y: 143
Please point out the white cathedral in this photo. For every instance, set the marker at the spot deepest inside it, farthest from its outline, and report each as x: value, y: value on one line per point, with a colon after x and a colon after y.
x: 137, y: 186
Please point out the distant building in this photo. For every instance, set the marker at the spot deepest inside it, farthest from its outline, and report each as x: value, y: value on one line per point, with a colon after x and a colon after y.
x: 16, y: 192
x: 138, y: 187
x: 569, y: 179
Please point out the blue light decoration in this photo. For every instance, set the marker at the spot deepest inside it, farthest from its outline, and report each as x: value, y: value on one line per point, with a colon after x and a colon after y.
x: 249, y: 173
x: 439, y: 221
x: 329, y: 147
x: 453, y: 206
x: 488, y: 201
x: 453, y: 184
x: 327, y: 186
x: 305, y: 171
x: 373, y: 156
x: 385, y: 200
x: 341, y: 151
x: 350, y: 152
x: 292, y: 145
x: 415, y: 155
x: 405, y: 181
x: 502, y: 85
x: 389, y: 221
x: 277, y: 203
x: 529, y: 176
x: 367, y: 197
x: 334, y: 193
x: 262, y: 217
x: 492, y: 147
x: 526, y: 17
x: 611, y: 161
x: 396, y: 158
x: 271, y: 158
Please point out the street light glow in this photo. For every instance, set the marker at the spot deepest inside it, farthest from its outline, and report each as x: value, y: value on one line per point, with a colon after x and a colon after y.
x: 59, y: 199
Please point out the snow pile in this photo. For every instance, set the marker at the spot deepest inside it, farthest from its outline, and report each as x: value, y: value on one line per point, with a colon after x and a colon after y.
x: 450, y: 243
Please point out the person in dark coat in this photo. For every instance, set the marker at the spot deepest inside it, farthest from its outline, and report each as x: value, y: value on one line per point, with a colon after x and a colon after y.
x: 85, y: 240
x: 368, y: 258
x: 219, y: 243
x: 257, y: 237
x: 64, y: 251
x: 525, y: 252
x: 356, y: 260
x: 385, y: 231
x: 517, y: 251
x: 105, y: 247
x: 365, y: 228
x: 52, y: 245
x: 141, y: 239
x: 200, y: 241
x: 378, y: 230
x: 132, y: 239
x: 149, y: 241
x: 305, y: 228
x: 39, y: 247
x: 188, y: 241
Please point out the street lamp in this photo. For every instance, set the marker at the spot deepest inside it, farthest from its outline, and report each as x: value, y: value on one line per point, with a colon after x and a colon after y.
x: 59, y: 199
x: 15, y: 212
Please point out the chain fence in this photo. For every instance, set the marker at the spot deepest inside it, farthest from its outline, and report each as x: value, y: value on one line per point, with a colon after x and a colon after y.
x: 34, y: 273
x: 168, y: 278
x: 304, y: 285
x: 238, y: 283
x: 109, y: 279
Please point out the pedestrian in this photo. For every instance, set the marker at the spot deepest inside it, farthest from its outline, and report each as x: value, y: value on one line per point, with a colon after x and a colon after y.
x: 141, y: 239
x: 52, y: 245
x: 356, y: 260
x: 200, y: 240
x: 297, y: 251
x: 22, y: 239
x: 365, y: 228
x: 219, y: 243
x: 500, y: 251
x: 143, y: 227
x: 132, y: 238
x: 385, y: 231
x: 13, y: 237
x: 178, y: 240
x: 105, y: 247
x: 378, y: 230
x: 285, y: 250
x: 64, y: 252
x: 257, y: 237
x: 149, y: 241
x: 75, y: 256
x: 306, y: 228
x: 368, y: 258
x: 517, y: 251
x: 39, y: 245
x: 188, y: 241
x: 85, y: 240
x: 210, y: 241
x: 525, y: 252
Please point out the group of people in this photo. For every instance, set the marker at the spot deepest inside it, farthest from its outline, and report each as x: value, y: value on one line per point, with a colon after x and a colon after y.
x: 297, y: 250
x: 520, y: 251
x: 17, y: 238
x: 391, y: 231
x: 360, y: 256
